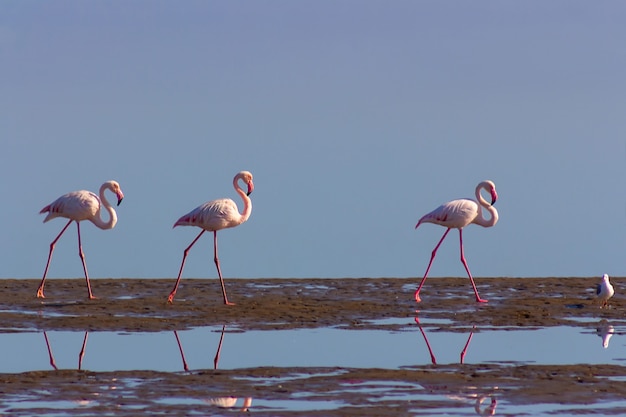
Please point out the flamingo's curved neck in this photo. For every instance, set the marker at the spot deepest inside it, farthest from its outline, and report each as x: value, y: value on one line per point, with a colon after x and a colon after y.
x: 97, y: 220
x: 247, y: 203
x: 480, y: 219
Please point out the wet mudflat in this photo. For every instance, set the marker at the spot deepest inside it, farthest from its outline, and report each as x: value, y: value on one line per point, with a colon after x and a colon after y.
x: 382, y: 306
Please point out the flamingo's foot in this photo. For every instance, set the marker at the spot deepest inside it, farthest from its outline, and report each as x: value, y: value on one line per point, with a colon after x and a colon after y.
x: 170, y: 298
x: 40, y: 293
x: 228, y: 303
x: 417, y: 297
x: 92, y: 297
x: 480, y: 300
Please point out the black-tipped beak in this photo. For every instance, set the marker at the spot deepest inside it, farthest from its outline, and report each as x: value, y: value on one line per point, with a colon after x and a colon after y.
x: 250, y: 188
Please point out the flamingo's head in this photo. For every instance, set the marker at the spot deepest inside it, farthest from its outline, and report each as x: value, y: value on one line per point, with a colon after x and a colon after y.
x: 494, y: 196
x: 114, y: 186
x: 246, y: 177
x: 491, y: 187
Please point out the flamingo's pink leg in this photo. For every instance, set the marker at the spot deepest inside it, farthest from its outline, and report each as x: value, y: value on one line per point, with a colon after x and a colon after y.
x: 216, y: 360
x: 432, y: 355
x: 432, y: 257
x: 82, y: 258
x: 219, y: 271
x: 170, y: 298
x: 52, y: 361
x: 469, y: 339
x: 45, y: 272
x: 81, y: 355
x: 182, y: 354
x: 480, y: 300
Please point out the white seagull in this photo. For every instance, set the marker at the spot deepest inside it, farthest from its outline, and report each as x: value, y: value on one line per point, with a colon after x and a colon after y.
x: 604, y: 291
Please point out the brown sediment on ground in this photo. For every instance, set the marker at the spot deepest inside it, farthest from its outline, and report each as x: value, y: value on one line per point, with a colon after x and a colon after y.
x: 265, y: 304
x: 351, y: 392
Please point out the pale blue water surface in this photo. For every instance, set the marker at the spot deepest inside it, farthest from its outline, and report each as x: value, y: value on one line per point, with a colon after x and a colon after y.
x: 402, y: 348
x: 319, y: 347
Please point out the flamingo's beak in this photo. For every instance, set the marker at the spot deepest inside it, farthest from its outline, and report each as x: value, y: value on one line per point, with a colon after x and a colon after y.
x: 494, y: 196
x: 250, y: 188
x: 120, y: 197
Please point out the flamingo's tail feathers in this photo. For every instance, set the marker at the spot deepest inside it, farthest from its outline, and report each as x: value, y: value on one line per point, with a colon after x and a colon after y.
x: 186, y: 220
x: 433, y: 217
x: 424, y: 219
x: 51, y: 213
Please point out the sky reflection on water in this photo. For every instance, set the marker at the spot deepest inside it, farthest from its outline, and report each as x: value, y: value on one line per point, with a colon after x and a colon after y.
x: 321, y: 347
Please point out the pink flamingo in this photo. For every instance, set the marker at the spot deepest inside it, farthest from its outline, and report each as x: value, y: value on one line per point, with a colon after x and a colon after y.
x: 457, y: 214
x: 213, y: 216
x: 78, y: 206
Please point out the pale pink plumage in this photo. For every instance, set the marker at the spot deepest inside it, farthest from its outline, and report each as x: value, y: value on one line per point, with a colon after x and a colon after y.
x: 213, y: 216
x: 453, y: 214
x: 457, y: 214
x: 78, y: 206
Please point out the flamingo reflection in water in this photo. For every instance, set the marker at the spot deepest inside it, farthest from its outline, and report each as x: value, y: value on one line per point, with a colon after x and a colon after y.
x: 230, y: 402
x: 432, y: 355
x: 217, y: 354
x: 470, y: 392
x: 81, y: 355
x: 221, y: 402
x: 82, y: 401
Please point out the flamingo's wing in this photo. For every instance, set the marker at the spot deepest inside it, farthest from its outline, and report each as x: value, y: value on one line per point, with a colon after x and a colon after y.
x: 77, y: 205
x: 214, y: 215
x: 453, y: 214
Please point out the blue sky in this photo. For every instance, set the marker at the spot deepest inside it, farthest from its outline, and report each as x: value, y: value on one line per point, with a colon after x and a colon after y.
x: 355, y: 117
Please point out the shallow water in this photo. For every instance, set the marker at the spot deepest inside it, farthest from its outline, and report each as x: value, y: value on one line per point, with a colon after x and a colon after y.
x: 327, y: 347
x: 322, y: 353
x: 304, y: 355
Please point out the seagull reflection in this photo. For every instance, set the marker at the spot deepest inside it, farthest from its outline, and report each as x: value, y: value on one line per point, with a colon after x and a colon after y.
x: 605, y: 331
x: 81, y: 355
x: 433, y: 359
x: 217, y: 354
x: 470, y: 393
